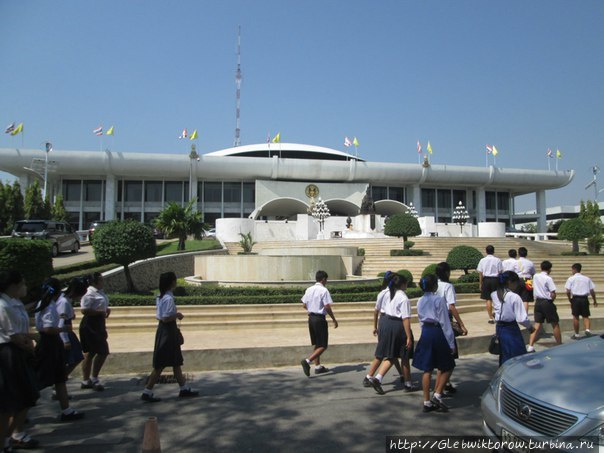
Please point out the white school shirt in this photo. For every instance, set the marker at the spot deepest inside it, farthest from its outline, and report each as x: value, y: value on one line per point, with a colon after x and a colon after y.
x: 447, y: 291
x: 513, y: 308
x: 490, y: 266
x: 382, y: 298
x: 49, y: 317
x: 433, y: 308
x: 316, y: 298
x: 13, y: 318
x: 527, y: 268
x: 543, y: 286
x: 399, y: 306
x: 511, y: 264
x: 165, y: 306
x: 579, y: 285
x: 95, y: 299
x: 66, y: 313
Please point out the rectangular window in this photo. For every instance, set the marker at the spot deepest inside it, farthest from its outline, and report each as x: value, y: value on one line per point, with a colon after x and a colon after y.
x: 428, y: 199
x: 459, y: 195
x: 153, y: 191
x: 444, y: 201
x: 212, y: 192
x: 379, y: 193
x: 93, y: 190
x: 134, y: 191
x: 503, y: 202
x: 71, y: 190
x: 249, y: 192
x: 232, y: 192
x: 173, y: 191
x: 132, y: 216
x: 490, y: 201
x: 396, y: 193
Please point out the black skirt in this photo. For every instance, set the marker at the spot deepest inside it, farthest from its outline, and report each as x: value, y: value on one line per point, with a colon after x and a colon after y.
x: 93, y: 335
x: 18, y: 384
x: 167, y: 351
x: 50, y: 360
x: 391, y: 338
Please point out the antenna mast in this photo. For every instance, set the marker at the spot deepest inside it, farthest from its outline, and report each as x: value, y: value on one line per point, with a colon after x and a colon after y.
x: 238, y: 84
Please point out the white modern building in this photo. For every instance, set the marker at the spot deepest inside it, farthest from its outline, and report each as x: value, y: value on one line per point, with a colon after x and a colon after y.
x: 274, y: 182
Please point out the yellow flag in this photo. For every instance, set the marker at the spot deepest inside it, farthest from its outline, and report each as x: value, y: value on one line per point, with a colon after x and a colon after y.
x: 18, y: 129
x: 277, y: 138
x: 429, y: 148
x: 193, y: 135
x: 355, y: 142
x: 558, y: 154
x: 109, y: 131
x: 495, y: 152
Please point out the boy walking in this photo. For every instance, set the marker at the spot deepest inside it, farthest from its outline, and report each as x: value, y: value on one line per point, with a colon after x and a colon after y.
x: 317, y: 301
x: 489, y: 269
x: 578, y: 288
x: 545, y: 310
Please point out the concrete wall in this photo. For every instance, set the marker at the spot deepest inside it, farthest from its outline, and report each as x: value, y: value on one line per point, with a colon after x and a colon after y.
x: 491, y: 229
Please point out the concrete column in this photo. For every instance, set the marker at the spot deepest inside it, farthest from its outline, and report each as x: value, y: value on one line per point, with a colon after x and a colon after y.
x: 417, y: 199
x: 193, y: 183
x: 541, y: 211
x: 481, y: 205
x: 110, y: 197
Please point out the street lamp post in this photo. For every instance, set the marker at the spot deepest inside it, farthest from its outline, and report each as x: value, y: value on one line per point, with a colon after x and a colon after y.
x: 193, y: 156
x: 320, y: 212
x: 48, y: 149
x: 460, y: 216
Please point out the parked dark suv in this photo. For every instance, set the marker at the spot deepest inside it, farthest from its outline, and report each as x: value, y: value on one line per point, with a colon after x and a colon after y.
x: 63, y: 238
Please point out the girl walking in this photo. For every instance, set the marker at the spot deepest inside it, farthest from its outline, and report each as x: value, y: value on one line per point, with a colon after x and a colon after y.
x: 167, y: 341
x: 73, y: 348
x: 436, y: 345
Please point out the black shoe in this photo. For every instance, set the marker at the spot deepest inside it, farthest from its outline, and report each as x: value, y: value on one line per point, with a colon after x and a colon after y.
x: 187, y: 393
x: 377, y: 386
x: 411, y: 388
x: 440, y: 406
x: 87, y: 385
x: 449, y: 389
x: 305, y: 367
x: 429, y: 408
x: 149, y: 398
x: 366, y: 382
x: 75, y: 415
x: 26, y: 443
x: 98, y: 387
x: 321, y: 370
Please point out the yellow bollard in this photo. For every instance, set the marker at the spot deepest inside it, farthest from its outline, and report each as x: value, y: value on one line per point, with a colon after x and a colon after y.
x: 151, y: 442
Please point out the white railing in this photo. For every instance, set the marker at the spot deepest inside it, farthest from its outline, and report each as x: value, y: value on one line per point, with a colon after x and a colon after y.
x: 532, y: 236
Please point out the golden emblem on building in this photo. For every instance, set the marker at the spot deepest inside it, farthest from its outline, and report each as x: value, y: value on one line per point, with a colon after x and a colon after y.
x: 311, y: 191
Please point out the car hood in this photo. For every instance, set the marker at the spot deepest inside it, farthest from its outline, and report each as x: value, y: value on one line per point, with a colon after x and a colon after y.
x: 569, y: 376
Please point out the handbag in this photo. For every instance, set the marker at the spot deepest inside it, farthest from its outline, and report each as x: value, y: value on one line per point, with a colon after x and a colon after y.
x: 457, y: 332
x: 494, y: 346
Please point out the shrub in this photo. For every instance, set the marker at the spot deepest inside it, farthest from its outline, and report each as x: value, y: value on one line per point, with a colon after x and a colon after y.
x: 472, y: 277
x: 573, y: 230
x: 404, y: 225
x: 429, y: 269
x: 360, y: 251
x: 406, y: 252
x: 408, y: 244
x: 408, y: 275
x: 464, y: 257
x: 32, y: 258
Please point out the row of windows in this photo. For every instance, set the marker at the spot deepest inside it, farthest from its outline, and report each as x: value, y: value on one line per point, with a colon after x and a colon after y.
x: 388, y: 193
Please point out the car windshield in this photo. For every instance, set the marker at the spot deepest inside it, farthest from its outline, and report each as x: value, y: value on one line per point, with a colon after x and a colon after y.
x: 30, y: 227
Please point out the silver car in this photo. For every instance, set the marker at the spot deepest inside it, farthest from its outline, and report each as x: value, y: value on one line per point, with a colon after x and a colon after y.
x: 555, y: 396
x: 63, y: 238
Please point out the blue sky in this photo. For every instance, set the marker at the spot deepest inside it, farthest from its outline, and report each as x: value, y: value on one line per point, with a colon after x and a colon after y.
x: 524, y: 76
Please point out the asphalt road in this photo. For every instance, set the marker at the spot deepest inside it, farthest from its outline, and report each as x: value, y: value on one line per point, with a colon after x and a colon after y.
x: 66, y: 259
x: 262, y: 410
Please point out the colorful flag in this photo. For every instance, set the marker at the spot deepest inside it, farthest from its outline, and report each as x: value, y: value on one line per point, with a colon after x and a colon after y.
x: 18, y: 129
x: 110, y: 131
x: 495, y: 152
x: 9, y: 128
x: 558, y: 154
x: 429, y: 148
x: 355, y: 142
x: 489, y: 149
x: 277, y: 138
x: 550, y: 154
x: 268, y: 138
x: 347, y: 142
x: 194, y: 135
x: 184, y: 134
x: 419, y: 147
x: 98, y: 131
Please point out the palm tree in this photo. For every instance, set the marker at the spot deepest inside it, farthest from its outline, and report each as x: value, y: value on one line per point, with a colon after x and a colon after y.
x: 177, y: 221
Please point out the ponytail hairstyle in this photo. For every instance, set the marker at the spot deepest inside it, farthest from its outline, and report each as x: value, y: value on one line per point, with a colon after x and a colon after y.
x: 76, y: 288
x: 166, y: 280
x: 506, y: 279
x: 386, y: 280
x: 396, y: 282
x: 51, y: 290
x: 429, y: 283
x: 443, y: 271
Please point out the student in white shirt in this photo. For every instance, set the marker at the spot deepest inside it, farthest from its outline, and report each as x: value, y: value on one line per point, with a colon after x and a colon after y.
x: 545, y: 310
x: 578, y: 289
x: 527, y: 270
x: 488, y: 269
x: 511, y: 264
x: 73, y: 348
x: 317, y: 302
x: 436, y: 345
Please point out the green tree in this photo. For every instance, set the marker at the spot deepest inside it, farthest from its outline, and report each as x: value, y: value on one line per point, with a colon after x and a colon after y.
x: 14, y: 205
x: 574, y: 230
x: 404, y: 225
x: 3, y: 212
x: 464, y: 257
x: 180, y: 222
x: 58, y: 211
x: 590, y: 214
x: 123, y: 243
x: 34, y: 204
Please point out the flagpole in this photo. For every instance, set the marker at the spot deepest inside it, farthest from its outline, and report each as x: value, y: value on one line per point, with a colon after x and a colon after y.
x: 486, y: 160
x: 549, y: 167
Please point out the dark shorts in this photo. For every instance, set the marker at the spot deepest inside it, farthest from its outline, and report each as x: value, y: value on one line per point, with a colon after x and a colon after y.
x: 489, y: 285
x: 579, y: 306
x: 317, y: 327
x: 545, y: 311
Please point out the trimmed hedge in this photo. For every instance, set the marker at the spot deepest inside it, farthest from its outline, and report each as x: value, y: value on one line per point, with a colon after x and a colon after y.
x: 406, y: 252
x: 472, y: 277
x: 464, y: 257
x: 32, y: 258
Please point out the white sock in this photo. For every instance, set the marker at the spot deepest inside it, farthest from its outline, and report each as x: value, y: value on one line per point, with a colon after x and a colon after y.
x: 19, y: 436
x: 408, y: 384
x: 379, y: 377
x: 308, y: 361
x: 68, y: 411
x: 94, y: 380
x: 587, y: 330
x: 428, y: 403
x: 148, y: 392
x: 438, y: 396
x: 368, y: 376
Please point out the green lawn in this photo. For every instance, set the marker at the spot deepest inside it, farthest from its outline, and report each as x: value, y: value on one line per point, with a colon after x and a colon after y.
x: 166, y: 248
